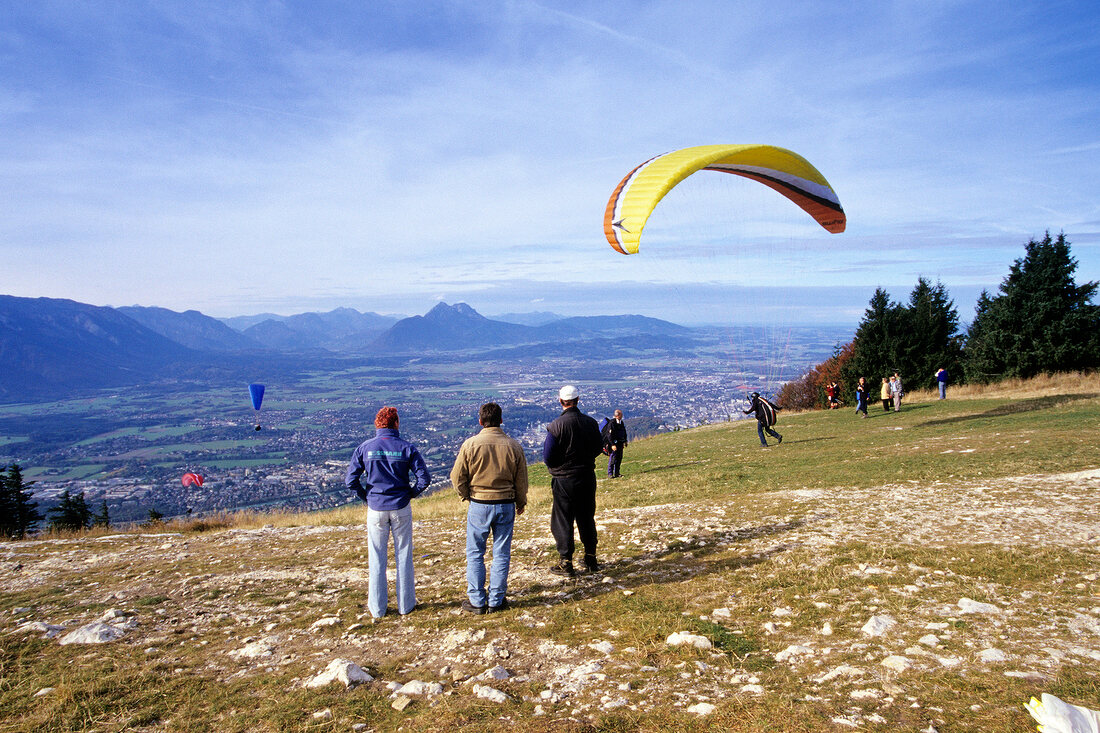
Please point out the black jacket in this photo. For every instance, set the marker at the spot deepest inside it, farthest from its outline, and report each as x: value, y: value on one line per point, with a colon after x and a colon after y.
x: 572, y: 443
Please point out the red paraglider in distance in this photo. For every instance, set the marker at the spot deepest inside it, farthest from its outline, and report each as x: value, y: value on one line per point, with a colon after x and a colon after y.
x: 191, y: 478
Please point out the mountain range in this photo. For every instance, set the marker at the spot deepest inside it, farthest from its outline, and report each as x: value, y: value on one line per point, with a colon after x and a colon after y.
x: 53, y: 348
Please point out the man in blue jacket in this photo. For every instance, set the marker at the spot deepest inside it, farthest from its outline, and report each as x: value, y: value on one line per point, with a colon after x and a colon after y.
x: 379, y: 474
x: 572, y: 443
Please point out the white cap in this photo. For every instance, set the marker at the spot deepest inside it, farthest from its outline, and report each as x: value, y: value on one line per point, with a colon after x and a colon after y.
x: 568, y: 393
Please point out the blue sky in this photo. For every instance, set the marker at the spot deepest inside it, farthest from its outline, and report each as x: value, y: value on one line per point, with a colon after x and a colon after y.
x: 263, y: 156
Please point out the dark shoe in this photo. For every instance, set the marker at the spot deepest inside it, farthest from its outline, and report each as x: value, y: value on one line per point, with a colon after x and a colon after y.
x: 565, y: 569
x: 471, y: 608
x: 780, y: 440
x: 591, y: 563
x: 504, y: 606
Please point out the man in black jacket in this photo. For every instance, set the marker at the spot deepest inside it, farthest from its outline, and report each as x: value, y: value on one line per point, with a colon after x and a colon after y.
x: 572, y: 443
x: 765, y: 418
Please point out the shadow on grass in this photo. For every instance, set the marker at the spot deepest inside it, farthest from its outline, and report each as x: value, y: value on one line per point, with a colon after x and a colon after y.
x: 669, y: 467
x: 1032, y: 405
x: 647, y: 568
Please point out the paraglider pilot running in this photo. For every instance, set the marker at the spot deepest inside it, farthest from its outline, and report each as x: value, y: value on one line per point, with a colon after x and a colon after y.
x: 765, y: 418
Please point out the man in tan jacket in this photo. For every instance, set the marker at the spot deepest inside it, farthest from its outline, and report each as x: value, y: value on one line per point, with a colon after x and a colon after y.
x: 491, y: 473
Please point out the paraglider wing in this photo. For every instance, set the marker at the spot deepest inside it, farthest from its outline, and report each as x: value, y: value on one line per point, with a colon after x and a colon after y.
x: 256, y: 392
x: 191, y: 478
x: 787, y: 172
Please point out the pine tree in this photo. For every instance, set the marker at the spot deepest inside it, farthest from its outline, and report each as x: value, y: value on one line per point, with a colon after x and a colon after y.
x: 932, y: 339
x: 8, y: 511
x: 877, y: 346
x: 71, y: 514
x: 102, y: 518
x: 26, y: 511
x: 1041, y: 321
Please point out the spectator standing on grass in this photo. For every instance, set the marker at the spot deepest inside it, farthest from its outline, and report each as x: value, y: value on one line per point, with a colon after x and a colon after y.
x: 861, y: 397
x: 885, y: 393
x: 379, y: 473
x: 896, y: 391
x: 614, y: 441
x: 941, y: 381
x: 491, y: 473
x: 572, y: 443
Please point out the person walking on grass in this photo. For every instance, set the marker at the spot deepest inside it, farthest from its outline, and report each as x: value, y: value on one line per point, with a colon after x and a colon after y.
x: 379, y: 473
x: 861, y: 397
x: 614, y: 441
x: 572, y: 443
x: 765, y: 418
x: 885, y: 393
x: 490, y: 472
x: 941, y: 382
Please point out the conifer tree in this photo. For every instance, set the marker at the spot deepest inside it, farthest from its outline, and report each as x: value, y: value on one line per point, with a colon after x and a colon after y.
x: 18, y: 513
x: 8, y: 521
x: 71, y: 514
x: 877, y: 346
x: 102, y: 518
x: 931, y: 336
x: 1041, y: 321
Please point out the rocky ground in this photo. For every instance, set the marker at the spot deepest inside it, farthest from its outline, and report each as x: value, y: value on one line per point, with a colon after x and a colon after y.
x: 866, y: 603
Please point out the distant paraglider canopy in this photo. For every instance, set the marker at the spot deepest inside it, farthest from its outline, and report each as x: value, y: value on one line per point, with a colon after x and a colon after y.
x: 787, y: 172
x: 256, y: 392
x: 191, y: 478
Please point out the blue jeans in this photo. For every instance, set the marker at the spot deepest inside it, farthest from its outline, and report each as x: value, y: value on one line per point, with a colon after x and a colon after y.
x: 943, y: 390
x: 380, y: 525
x: 481, y: 519
x: 761, y: 428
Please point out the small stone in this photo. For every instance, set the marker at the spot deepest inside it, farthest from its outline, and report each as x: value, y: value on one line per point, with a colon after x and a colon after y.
x: 401, y: 702
x: 44, y: 691
x: 416, y: 687
x: 929, y: 640
x: 992, y: 655
x: 827, y: 629
x: 325, y: 714
x: 490, y: 694
x: 897, y: 663
x: 340, y: 670
x: 496, y: 673
x: 603, y: 647
x: 793, y: 651
x: 701, y: 708
x: 721, y: 613
x: 326, y: 621
x: 967, y: 605
x: 752, y: 689
x: 681, y: 638
x: 878, y: 625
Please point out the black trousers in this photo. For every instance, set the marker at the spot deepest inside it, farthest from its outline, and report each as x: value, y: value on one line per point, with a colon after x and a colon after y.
x: 574, y: 501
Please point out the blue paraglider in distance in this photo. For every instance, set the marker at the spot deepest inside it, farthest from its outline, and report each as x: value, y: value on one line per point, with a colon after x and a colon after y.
x: 256, y: 392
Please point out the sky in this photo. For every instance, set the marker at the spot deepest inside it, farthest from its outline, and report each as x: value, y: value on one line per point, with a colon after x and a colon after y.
x: 261, y: 156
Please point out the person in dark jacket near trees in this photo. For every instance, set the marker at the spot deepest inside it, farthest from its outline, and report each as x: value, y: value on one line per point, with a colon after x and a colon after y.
x: 379, y: 475
x: 861, y: 397
x: 614, y: 440
x: 572, y: 443
x: 762, y: 422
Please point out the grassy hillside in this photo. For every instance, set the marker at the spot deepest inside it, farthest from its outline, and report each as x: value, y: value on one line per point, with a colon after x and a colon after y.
x: 966, y: 527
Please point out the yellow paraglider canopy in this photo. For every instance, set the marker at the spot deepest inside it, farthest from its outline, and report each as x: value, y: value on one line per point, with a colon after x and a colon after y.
x: 787, y: 172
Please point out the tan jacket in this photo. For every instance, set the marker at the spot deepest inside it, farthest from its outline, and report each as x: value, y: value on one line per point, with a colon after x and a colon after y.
x: 491, y: 467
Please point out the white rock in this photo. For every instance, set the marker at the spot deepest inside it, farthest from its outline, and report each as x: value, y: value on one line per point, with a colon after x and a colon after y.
x: 864, y: 694
x: 794, y: 650
x: 264, y: 647
x: 827, y: 629
x: 967, y: 605
x: 992, y: 655
x: 949, y: 661
x: 780, y: 612
x: 850, y: 722
x: 721, y: 613
x: 490, y: 694
x: 44, y: 691
x: 340, y: 670
x: 843, y: 670
x: 752, y: 689
x: 929, y: 640
x: 769, y: 627
x: 96, y: 632
x: 496, y: 673
x: 680, y: 638
x: 701, y: 708
x: 325, y: 621
x: 325, y: 714
x: 416, y: 687
x: 40, y: 627
x: 603, y: 647
x: 878, y: 625
x: 897, y: 663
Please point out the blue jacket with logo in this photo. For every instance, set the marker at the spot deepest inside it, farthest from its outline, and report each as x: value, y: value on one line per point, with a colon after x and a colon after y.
x: 379, y: 471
